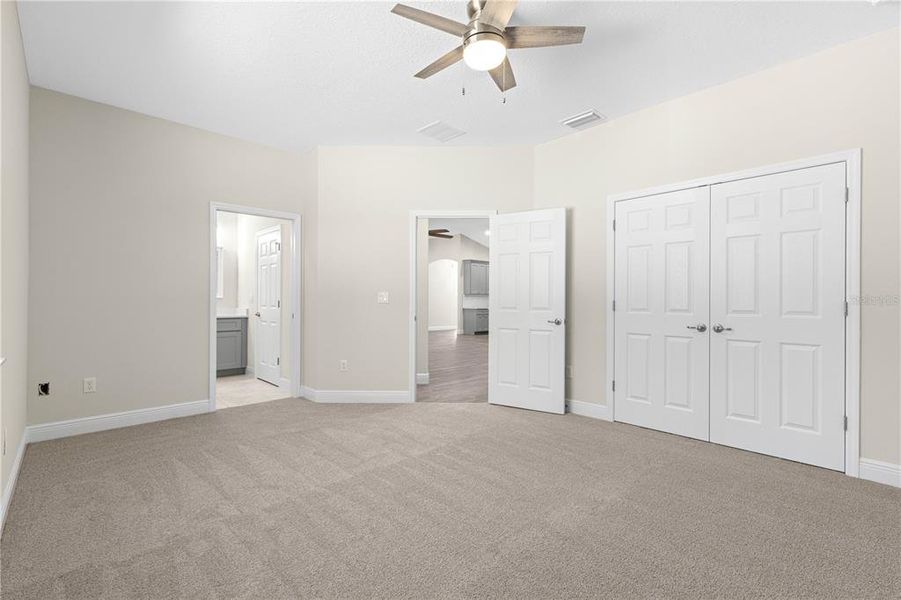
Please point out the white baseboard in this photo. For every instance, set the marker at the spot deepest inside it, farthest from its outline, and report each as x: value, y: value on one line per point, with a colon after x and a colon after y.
x: 61, y: 429
x: 588, y: 409
x: 442, y: 328
x: 880, y: 472
x: 355, y: 396
x: 422, y: 379
x: 11, y: 482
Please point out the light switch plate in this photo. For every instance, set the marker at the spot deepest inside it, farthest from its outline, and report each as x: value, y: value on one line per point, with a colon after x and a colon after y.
x: 383, y: 298
x: 90, y: 385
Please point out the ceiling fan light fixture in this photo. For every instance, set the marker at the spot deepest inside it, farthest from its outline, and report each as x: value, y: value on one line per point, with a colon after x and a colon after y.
x: 484, y: 51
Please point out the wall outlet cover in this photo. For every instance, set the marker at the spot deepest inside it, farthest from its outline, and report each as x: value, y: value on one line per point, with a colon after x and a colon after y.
x: 382, y: 298
x: 44, y: 389
x: 342, y: 365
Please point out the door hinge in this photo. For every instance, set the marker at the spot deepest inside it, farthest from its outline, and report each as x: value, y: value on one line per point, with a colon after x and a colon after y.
x: 846, y: 423
x: 613, y: 385
x: 279, y: 304
x: 614, y: 224
x: 847, y: 194
x: 614, y: 306
x: 846, y: 308
x: 278, y: 360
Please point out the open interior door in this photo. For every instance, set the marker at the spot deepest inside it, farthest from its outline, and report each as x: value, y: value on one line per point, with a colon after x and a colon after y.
x: 527, y: 300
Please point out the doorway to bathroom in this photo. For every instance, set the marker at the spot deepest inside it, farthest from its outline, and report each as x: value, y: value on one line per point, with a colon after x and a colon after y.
x: 254, y: 306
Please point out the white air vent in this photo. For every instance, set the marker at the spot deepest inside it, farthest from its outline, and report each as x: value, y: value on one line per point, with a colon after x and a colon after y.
x: 441, y: 131
x: 583, y: 120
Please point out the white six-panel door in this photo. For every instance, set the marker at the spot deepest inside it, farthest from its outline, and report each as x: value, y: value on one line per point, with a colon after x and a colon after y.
x: 777, y: 292
x: 759, y: 265
x: 268, y: 336
x: 661, y: 312
x: 527, y: 302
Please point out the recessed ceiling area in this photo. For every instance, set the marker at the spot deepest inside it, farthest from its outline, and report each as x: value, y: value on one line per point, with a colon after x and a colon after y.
x: 474, y: 229
x: 299, y: 75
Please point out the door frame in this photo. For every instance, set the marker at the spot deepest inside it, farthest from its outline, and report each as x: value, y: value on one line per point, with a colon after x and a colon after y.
x: 415, y: 215
x: 852, y: 160
x: 296, y: 249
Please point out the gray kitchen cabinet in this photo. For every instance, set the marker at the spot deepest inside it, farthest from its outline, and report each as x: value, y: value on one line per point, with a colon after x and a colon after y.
x: 231, y: 346
x: 475, y: 278
x: 475, y: 320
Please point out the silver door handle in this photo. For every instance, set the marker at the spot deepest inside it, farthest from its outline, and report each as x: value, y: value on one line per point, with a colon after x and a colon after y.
x: 720, y: 329
x: 555, y: 322
x: 701, y: 327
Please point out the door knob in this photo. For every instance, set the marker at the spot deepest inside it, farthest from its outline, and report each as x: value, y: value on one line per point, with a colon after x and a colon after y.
x: 701, y: 327
x: 555, y: 322
x: 257, y: 314
x: 720, y: 329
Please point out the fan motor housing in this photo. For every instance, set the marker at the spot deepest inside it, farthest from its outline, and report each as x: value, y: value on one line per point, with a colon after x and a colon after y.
x: 484, y: 34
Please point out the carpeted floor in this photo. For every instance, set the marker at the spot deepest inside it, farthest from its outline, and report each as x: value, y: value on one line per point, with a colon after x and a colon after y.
x: 290, y: 499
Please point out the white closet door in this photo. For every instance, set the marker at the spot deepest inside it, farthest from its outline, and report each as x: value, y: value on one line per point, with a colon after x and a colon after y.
x: 777, y: 287
x: 662, y: 277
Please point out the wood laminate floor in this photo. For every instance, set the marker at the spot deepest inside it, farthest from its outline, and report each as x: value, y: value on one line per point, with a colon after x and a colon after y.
x: 241, y: 390
x: 458, y: 368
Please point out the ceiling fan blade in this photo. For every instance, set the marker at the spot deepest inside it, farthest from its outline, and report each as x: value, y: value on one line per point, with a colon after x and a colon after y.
x: 542, y: 36
x: 442, y: 63
x: 439, y: 231
x: 441, y: 235
x: 503, y: 76
x: 497, y: 13
x: 432, y: 20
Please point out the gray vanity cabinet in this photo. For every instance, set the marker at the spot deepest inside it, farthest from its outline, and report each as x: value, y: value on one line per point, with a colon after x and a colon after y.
x: 475, y: 277
x: 475, y: 320
x: 231, y: 346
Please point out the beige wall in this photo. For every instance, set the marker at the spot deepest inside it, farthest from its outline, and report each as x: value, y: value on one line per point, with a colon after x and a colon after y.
x: 14, y: 157
x: 845, y: 97
x: 117, y: 199
x: 365, y: 198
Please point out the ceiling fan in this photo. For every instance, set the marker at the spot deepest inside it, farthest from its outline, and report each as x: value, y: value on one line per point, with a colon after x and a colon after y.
x: 486, y: 38
x: 441, y: 233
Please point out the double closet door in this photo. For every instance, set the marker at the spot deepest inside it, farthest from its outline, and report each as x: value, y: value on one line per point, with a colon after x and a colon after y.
x: 730, y: 314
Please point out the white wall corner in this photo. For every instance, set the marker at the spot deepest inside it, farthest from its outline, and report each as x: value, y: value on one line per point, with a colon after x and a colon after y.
x: 359, y: 396
x: 308, y: 393
x: 589, y: 409
x: 880, y: 472
x: 422, y: 379
x: 61, y: 429
x: 10, y: 488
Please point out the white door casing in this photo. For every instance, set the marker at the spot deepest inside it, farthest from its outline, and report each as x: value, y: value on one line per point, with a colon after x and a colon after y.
x: 778, y: 287
x: 267, y: 339
x: 527, y: 301
x: 661, y: 311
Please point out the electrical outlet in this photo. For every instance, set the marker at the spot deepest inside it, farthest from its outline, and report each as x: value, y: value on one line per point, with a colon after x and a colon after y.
x: 382, y: 298
x: 90, y: 385
x: 342, y: 365
x: 44, y: 389
x: 569, y: 371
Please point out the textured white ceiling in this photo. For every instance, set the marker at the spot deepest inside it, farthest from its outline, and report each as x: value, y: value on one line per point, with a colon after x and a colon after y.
x: 297, y: 75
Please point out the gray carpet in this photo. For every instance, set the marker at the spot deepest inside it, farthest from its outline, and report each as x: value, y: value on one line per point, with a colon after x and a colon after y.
x: 292, y: 499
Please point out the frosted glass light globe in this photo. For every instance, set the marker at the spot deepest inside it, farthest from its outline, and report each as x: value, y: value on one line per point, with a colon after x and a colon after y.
x: 484, y: 54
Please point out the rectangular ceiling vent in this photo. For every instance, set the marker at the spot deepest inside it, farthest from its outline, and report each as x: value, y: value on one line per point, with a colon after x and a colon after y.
x: 584, y: 120
x: 441, y: 131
